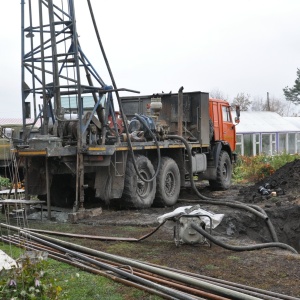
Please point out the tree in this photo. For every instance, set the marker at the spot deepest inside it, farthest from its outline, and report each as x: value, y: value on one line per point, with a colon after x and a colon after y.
x: 243, y: 101
x: 293, y: 94
x: 276, y: 105
x: 258, y: 104
x: 217, y: 94
x: 271, y: 104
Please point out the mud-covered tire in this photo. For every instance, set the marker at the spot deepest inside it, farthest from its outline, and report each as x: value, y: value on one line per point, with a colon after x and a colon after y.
x: 224, y: 173
x: 139, y: 194
x: 167, y: 183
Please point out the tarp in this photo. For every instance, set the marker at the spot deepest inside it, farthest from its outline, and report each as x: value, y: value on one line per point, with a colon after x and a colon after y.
x: 193, y: 210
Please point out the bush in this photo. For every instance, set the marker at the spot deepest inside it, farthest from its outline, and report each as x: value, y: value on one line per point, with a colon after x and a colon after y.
x: 4, y: 182
x: 255, y: 168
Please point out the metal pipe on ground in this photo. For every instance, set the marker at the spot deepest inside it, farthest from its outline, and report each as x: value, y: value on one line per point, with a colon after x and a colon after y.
x: 60, y: 258
x: 173, y: 275
x: 263, y: 294
x: 231, y: 284
x: 169, y: 291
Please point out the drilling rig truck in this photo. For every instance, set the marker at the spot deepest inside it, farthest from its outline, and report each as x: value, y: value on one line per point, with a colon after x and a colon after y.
x: 142, y: 153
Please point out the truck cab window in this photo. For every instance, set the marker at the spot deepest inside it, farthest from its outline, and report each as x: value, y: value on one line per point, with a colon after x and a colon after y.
x: 226, y: 114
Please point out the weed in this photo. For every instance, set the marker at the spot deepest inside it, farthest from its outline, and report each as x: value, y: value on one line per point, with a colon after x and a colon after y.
x: 66, y: 281
x: 28, y: 281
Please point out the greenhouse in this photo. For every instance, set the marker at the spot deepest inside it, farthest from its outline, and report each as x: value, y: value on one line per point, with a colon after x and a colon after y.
x: 264, y: 132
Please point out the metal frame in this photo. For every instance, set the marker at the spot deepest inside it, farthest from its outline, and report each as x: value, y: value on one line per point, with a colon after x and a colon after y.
x: 54, y: 65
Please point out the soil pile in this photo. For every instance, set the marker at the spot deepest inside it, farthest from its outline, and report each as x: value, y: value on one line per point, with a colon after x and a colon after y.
x: 279, y: 195
x: 283, y: 185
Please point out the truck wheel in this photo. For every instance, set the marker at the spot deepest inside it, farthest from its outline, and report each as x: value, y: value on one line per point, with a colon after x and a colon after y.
x: 224, y: 173
x: 137, y: 193
x: 167, y: 183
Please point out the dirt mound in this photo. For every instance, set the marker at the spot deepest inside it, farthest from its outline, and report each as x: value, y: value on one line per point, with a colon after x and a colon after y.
x: 279, y: 195
x: 282, y: 185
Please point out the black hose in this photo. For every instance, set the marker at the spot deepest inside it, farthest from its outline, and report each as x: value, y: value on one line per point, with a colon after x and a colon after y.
x: 269, y: 223
x: 253, y: 209
x: 158, y: 151
x: 241, y: 248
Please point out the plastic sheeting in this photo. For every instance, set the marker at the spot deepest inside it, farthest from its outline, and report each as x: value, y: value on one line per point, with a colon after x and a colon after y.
x: 193, y: 210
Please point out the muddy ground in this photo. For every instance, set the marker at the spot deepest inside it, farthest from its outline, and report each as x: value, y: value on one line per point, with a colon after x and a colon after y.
x: 273, y: 269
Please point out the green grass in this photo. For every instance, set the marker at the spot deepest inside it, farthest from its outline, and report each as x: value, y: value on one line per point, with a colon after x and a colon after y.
x: 77, y: 285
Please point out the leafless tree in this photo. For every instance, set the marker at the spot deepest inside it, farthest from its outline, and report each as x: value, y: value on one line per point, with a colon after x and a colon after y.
x: 243, y: 101
x: 274, y: 104
x: 217, y: 94
x: 258, y: 104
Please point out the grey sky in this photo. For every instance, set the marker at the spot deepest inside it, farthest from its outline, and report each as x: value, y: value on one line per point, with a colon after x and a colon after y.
x: 234, y: 46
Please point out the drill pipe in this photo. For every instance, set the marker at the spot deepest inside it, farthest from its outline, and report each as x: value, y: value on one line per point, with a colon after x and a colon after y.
x: 62, y: 258
x: 198, y: 283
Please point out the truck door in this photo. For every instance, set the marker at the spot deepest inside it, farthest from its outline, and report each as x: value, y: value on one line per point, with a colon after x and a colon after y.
x: 228, y: 127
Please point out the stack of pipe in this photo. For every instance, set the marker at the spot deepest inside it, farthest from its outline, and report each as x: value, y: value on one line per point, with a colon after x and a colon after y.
x: 165, y: 282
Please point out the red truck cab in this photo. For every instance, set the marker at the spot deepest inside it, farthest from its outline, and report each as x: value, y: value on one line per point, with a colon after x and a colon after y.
x: 223, y: 123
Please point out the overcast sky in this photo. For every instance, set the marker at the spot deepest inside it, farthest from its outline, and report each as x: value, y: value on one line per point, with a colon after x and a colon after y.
x: 234, y: 46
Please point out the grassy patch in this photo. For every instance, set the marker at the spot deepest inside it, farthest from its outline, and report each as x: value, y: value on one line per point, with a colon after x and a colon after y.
x: 76, y: 284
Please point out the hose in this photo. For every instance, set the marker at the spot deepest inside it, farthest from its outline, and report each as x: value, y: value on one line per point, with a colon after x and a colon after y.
x: 253, y: 209
x: 269, y: 223
x: 99, y: 238
x: 158, y: 151
x: 241, y: 248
